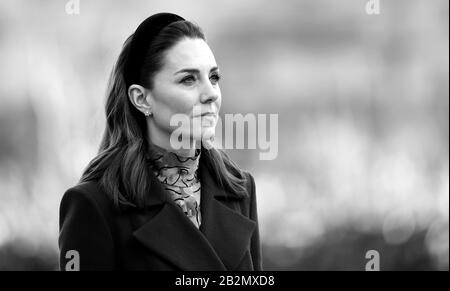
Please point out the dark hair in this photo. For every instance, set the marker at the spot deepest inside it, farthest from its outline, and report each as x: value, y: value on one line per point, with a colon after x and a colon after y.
x: 120, y: 165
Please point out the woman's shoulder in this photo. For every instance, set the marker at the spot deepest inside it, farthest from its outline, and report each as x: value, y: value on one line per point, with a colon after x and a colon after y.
x: 249, y: 178
x: 84, y: 195
x: 248, y: 205
x: 88, y: 189
x: 249, y: 183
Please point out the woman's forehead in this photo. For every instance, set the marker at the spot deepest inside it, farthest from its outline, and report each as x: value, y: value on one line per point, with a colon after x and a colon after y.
x: 190, y: 53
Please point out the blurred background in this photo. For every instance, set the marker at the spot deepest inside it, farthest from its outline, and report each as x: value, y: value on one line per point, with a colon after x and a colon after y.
x: 363, y: 104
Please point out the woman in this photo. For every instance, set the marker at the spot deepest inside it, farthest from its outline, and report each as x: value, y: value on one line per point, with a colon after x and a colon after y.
x: 143, y: 203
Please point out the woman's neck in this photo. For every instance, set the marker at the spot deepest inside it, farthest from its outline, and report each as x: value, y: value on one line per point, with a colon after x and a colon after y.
x: 163, y: 140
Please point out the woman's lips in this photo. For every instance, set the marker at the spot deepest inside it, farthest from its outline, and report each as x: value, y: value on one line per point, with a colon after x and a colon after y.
x: 208, y: 119
x: 208, y: 114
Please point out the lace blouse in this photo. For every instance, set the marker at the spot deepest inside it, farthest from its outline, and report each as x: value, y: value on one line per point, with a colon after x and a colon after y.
x: 178, y: 174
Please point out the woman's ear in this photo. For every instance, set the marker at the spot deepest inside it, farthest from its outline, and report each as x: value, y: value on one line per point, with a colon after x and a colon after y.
x: 139, y: 98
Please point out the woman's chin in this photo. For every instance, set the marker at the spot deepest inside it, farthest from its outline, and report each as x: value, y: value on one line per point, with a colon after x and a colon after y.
x: 207, y: 134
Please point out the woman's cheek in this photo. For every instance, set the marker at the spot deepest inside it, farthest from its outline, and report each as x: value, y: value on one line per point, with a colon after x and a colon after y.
x: 219, y: 104
x: 178, y: 99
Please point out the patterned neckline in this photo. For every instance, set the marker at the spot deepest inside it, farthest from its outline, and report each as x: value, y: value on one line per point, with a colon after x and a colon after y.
x: 178, y: 174
x: 172, y: 168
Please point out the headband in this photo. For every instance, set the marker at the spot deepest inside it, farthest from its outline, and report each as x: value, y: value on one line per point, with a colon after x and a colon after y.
x: 142, y: 38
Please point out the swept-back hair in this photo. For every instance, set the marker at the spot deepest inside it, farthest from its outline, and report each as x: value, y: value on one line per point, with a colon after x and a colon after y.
x: 120, y: 166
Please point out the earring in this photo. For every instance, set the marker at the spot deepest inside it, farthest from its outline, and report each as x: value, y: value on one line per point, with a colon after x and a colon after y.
x: 147, y: 113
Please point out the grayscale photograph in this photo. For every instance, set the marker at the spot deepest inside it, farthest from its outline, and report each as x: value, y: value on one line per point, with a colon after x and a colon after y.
x: 240, y: 135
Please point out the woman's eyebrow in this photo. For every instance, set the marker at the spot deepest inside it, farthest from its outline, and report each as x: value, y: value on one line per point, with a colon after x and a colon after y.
x: 195, y: 71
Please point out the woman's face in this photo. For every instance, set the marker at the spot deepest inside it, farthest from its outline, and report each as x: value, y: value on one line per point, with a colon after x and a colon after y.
x: 187, y: 84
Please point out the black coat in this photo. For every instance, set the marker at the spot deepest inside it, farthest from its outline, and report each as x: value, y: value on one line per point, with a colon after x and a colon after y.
x: 161, y: 237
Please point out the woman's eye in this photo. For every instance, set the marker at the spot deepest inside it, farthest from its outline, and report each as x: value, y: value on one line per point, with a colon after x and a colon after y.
x: 188, y: 80
x: 215, y: 78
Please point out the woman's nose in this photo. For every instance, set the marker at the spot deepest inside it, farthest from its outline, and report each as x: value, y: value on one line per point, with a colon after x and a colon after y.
x: 210, y: 93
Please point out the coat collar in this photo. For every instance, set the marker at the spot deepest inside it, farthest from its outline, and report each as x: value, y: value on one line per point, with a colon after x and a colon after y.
x: 219, y: 244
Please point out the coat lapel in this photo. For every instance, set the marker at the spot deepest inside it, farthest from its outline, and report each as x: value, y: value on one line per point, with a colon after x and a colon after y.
x: 228, y: 231
x: 176, y: 239
x: 219, y: 244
